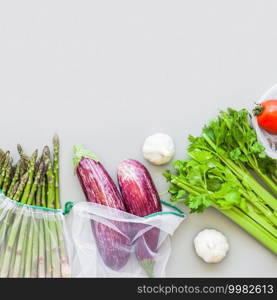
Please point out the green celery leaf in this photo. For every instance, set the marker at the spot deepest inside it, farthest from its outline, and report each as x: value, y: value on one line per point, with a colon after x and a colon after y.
x: 173, y: 190
x: 178, y: 165
x: 167, y: 175
x: 213, y: 184
x: 200, y: 155
x: 257, y: 148
x: 181, y: 194
x: 198, y: 203
x: 235, y: 154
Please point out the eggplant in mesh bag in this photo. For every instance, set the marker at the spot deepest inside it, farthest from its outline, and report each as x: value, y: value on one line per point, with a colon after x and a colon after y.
x: 99, y: 188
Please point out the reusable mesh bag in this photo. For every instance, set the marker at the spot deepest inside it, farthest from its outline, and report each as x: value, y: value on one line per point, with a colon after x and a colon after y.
x: 128, y: 246
x: 33, y: 241
x: 269, y: 141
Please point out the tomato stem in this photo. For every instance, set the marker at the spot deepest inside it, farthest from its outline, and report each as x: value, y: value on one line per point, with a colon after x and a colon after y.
x: 258, y: 110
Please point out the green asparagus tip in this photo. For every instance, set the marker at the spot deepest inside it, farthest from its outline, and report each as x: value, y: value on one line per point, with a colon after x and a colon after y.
x: 19, y: 148
x: 22, y: 155
x: 148, y: 266
x: 35, y: 154
x: 79, y: 152
x: 46, y: 151
x: 56, y: 139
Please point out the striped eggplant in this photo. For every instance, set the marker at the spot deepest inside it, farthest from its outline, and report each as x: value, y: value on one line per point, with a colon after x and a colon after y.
x: 141, y: 199
x: 99, y: 188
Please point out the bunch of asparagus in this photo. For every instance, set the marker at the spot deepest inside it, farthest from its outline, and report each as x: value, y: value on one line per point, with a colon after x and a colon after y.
x: 31, y: 239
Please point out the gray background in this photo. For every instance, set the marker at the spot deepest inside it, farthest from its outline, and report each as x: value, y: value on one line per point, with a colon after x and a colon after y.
x: 109, y: 73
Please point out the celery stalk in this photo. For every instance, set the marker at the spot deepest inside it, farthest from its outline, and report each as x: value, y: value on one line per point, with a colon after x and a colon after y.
x: 252, y: 227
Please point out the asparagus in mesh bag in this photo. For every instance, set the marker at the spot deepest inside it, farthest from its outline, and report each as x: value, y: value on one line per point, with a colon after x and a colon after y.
x: 32, y: 242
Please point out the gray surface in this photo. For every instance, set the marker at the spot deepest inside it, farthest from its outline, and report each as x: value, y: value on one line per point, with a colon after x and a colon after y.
x: 109, y: 73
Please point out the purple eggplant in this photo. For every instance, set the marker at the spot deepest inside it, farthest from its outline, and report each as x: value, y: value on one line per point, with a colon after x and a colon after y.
x: 99, y: 188
x: 141, y: 199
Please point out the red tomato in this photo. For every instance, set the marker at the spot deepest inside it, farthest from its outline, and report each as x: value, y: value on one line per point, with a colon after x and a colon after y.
x: 266, y: 113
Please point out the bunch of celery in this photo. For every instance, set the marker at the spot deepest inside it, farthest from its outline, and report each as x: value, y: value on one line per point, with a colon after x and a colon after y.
x: 31, y: 239
x: 225, y: 168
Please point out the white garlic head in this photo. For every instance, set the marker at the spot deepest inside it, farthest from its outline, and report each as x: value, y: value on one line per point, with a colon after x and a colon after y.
x: 158, y: 148
x: 211, y: 245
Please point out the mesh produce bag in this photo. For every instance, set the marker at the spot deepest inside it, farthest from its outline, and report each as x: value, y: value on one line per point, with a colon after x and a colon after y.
x: 269, y: 141
x: 126, y: 245
x: 33, y: 241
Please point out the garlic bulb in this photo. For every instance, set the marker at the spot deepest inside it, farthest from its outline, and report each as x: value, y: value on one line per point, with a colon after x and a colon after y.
x: 158, y: 149
x: 211, y: 245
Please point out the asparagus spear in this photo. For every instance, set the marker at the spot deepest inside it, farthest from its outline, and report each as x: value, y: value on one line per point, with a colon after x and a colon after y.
x: 60, y: 241
x: 43, y: 192
x: 14, y: 180
x: 7, y: 176
x: 47, y: 231
x: 21, y: 244
x: 19, y: 253
x: 25, y: 254
x: 7, y: 216
x: 41, y: 250
x: 30, y: 242
x: 29, y: 251
x: 21, y: 187
x: 38, y: 194
x: 25, y: 159
x: 4, y: 168
x: 2, y: 158
x: 31, y: 169
x: 11, y: 242
x: 2, y: 153
x: 23, y: 170
x: 55, y: 259
x: 38, y: 163
x: 5, y: 226
x: 50, y: 183
x: 6, y: 220
x: 13, y: 191
x: 46, y: 151
x: 55, y: 251
x: 35, y: 250
x: 65, y: 270
x: 56, y: 144
x: 22, y: 241
x: 40, y: 197
x: 48, y: 247
x: 35, y: 185
x: 12, y: 262
x: 31, y: 263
